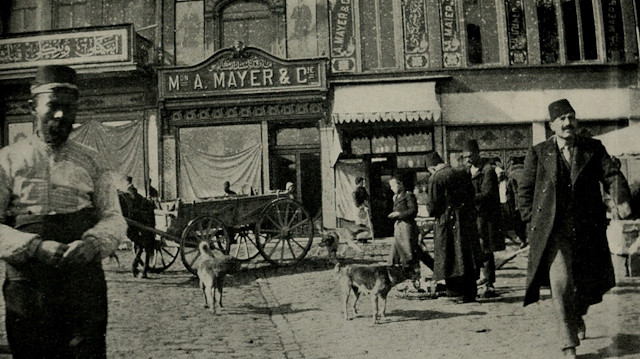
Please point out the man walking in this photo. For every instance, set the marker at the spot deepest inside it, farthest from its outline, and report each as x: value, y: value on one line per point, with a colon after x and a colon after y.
x: 456, y: 248
x: 560, y: 199
x: 60, y: 216
x: 487, y: 201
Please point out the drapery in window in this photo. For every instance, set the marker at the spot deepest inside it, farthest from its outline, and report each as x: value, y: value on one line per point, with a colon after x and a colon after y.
x: 121, y: 148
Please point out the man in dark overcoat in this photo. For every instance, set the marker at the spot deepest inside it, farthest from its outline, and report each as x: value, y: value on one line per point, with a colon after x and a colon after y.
x: 560, y: 199
x: 487, y: 201
x: 456, y: 247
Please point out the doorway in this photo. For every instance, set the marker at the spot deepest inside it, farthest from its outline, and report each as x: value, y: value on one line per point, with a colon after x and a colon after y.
x: 302, y: 167
x: 381, y: 170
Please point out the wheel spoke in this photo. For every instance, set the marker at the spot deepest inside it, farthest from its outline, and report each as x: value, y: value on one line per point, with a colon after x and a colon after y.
x: 296, y: 242
x: 302, y: 223
x: 273, y: 221
x: 275, y: 247
x: 279, y: 213
x: 294, y: 216
x: 291, y: 248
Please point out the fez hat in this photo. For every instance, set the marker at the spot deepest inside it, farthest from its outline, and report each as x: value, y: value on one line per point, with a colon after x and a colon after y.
x: 359, y: 179
x: 433, y: 159
x: 559, y: 108
x: 471, y: 146
x: 50, y: 77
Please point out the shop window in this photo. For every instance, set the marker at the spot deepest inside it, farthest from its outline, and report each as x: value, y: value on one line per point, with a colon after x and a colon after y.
x: 250, y: 22
x: 483, y: 44
x: 386, y: 144
x: 71, y: 14
x: 421, y: 142
x: 189, y: 32
x: 379, y: 24
x: 22, y: 16
x: 361, y: 146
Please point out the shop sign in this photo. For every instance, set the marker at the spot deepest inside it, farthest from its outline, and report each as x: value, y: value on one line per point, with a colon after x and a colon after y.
x: 613, y: 30
x: 451, y: 45
x: 416, y: 43
x: 249, y: 70
x: 343, y: 42
x: 65, y: 48
x: 517, y: 32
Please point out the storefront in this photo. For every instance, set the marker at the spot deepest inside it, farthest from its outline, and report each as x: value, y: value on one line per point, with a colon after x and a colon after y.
x: 246, y: 117
x: 117, y: 105
x: 383, y: 129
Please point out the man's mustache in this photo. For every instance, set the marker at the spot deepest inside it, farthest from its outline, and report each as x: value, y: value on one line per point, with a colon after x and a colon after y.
x: 568, y: 127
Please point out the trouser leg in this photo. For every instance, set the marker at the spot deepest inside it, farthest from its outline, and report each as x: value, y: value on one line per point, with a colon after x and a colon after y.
x: 489, y: 269
x: 563, y: 290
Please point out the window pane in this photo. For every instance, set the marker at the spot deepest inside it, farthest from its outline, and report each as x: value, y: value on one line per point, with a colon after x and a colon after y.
x: 249, y: 22
x: 548, y: 30
x: 298, y: 136
x: 383, y: 144
x: 368, y: 34
x: 571, y: 35
x: 387, y: 39
x: 588, y: 30
x: 360, y: 146
x: 414, y: 143
x: 482, y: 31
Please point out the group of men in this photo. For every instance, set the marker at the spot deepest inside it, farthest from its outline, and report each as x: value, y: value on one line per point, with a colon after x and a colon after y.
x: 559, y: 199
x: 59, y: 217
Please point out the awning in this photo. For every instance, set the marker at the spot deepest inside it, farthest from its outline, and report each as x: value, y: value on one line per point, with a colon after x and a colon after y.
x: 396, y: 102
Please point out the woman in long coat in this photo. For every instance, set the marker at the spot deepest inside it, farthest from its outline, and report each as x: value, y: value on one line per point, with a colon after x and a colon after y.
x: 456, y: 245
x: 405, y: 229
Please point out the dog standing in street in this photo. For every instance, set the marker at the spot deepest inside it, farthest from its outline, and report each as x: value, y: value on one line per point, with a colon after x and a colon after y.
x: 331, y: 238
x: 376, y: 280
x: 211, y: 274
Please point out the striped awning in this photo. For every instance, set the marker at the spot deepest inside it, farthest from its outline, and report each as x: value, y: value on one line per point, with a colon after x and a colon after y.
x: 396, y: 102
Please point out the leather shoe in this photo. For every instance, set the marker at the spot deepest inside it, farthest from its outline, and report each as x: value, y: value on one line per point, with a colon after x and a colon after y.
x: 490, y: 293
x: 582, y: 330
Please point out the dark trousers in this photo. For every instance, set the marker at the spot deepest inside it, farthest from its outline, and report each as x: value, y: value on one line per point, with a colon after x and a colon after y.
x: 465, y: 286
x: 63, y: 317
x: 56, y: 312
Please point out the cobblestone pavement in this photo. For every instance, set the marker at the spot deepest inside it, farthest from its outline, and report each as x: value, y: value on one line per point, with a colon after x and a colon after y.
x: 295, y: 312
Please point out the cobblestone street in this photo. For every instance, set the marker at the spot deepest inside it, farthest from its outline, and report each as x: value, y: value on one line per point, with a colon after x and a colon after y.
x: 296, y: 313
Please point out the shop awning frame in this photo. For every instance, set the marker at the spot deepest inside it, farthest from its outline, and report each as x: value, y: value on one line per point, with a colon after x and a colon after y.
x: 390, y: 102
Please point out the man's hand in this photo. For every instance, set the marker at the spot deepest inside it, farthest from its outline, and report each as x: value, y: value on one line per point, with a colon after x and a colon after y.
x: 624, y: 210
x: 79, y: 252
x: 394, y: 214
x: 50, y: 252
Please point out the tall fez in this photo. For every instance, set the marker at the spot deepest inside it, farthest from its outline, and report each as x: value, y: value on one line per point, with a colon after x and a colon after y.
x: 433, y: 159
x: 471, y: 146
x: 559, y: 108
x: 54, y: 77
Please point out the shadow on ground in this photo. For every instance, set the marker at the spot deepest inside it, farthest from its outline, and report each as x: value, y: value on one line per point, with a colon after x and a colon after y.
x: 621, y: 346
x: 399, y: 315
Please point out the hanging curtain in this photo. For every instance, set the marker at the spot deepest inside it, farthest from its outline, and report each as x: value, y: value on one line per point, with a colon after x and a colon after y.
x: 202, y: 174
x: 121, y: 148
x: 346, y: 174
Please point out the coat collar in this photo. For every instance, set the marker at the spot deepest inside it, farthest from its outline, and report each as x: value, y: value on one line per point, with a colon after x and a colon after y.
x: 581, y: 155
x: 400, y: 197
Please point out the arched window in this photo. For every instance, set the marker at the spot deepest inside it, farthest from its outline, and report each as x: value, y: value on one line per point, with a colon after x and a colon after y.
x: 251, y: 22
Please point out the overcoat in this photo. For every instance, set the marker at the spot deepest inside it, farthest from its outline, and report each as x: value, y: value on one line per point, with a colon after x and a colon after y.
x: 405, y: 230
x: 456, y: 246
x: 537, y: 198
x: 487, y: 201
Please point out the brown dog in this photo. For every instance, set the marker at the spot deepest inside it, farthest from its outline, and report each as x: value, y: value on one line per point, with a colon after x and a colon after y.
x: 211, y: 273
x: 331, y: 238
x: 376, y: 280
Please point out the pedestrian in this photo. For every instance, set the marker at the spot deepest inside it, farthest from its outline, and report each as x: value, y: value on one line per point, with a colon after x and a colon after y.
x: 227, y: 189
x: 290, y: 189
x: 133, y: 191
x: 514, y: 174
x: 153, y: 192
x: 456, y: 248
x: 487, y: 201
x: 405, y: 230
x: 60, y: 217
x: 560, y: 199
x: 362, y: 215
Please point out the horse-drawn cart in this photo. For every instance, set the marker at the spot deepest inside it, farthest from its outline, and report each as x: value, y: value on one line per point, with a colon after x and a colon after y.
x: 272, y: 225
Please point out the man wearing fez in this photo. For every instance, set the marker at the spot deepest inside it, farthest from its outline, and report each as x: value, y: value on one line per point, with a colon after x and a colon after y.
x: 487, y: 201
x: 456, y: 248
x: 59, y: 216
x: 560, y: 199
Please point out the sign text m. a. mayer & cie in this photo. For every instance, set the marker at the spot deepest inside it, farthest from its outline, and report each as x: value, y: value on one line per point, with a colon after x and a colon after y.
x: 247, y: 71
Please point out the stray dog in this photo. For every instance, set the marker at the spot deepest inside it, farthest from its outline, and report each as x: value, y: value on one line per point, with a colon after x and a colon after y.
x: 331, y: 239
x: 376, y: 280
x: 211, y: 273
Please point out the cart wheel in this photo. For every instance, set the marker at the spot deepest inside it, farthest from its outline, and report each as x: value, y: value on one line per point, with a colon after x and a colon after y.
x: 164, y: 254
x: 244, y: 247
x: 200, y: 229
x: 285, y: 232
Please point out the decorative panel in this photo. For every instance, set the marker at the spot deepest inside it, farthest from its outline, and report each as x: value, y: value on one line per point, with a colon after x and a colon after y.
x: 169, y: 168
x: 517, y: 32
x: 416, y: 40
x: 302, y: 38
x: 451, y: 46
x: 343, y: 42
